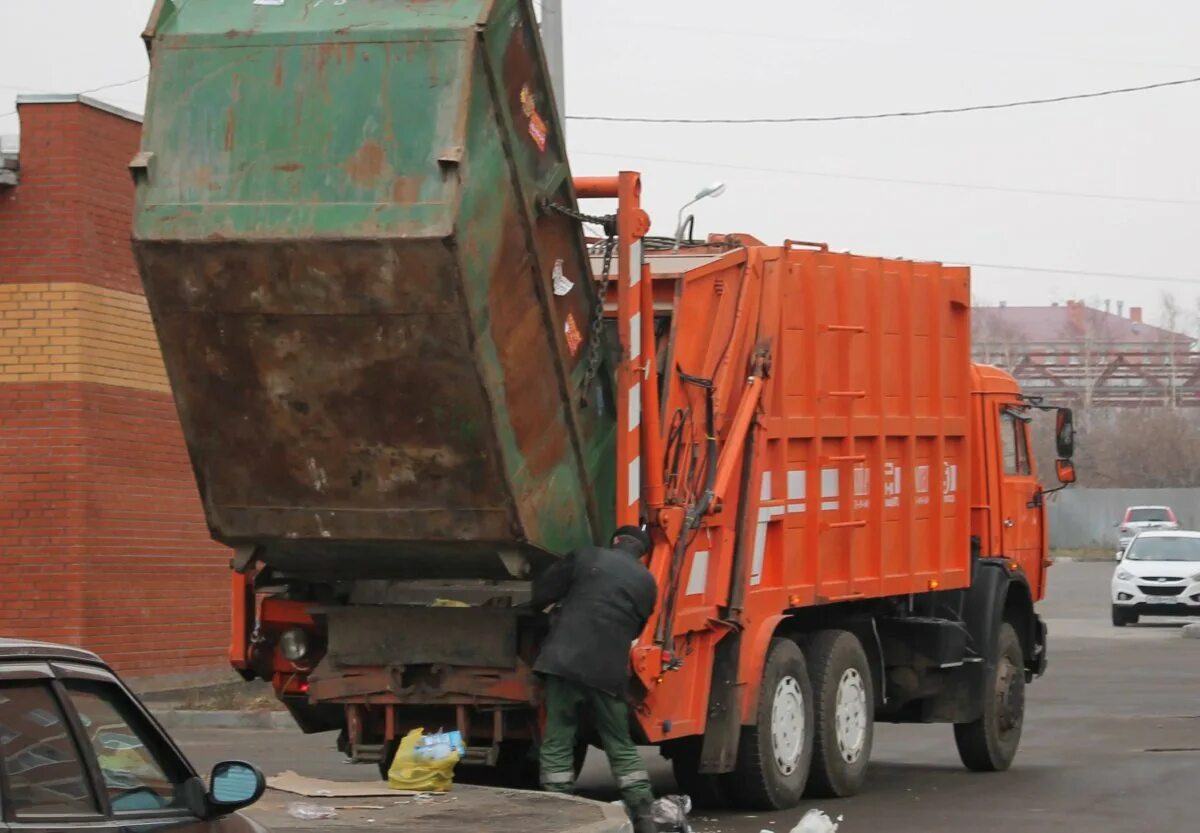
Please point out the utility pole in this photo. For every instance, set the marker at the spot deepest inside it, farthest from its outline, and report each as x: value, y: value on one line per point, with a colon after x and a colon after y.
x: 552, y: 40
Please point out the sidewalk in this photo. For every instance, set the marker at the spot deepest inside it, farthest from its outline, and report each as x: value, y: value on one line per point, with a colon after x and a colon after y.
x: 465, y: 809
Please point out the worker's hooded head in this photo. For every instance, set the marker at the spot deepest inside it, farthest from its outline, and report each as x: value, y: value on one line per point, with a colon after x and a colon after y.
x: 633, y: 540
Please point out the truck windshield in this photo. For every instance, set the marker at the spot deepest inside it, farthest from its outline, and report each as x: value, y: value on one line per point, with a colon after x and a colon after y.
x: 1149, y: 516
x: 1165, y: 549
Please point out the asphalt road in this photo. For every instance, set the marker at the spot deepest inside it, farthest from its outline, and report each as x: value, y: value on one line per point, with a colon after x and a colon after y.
x: 1111, y: 742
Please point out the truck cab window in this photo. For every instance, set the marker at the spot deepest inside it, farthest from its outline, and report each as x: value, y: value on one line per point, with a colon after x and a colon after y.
x: 1016, y: 446
x: 44, y: 771
x: 138, y: 775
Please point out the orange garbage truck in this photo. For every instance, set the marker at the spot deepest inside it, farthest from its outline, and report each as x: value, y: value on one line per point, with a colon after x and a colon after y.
x: 409, y: 383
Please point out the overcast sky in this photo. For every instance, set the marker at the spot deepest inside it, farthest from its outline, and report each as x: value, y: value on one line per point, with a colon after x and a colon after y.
x: 1136, y: 154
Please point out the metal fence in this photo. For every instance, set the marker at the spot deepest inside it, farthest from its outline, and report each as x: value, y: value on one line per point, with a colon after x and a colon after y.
x: 1088, y: 518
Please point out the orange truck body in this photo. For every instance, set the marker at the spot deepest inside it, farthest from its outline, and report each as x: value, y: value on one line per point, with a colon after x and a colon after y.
x: 865, y: 476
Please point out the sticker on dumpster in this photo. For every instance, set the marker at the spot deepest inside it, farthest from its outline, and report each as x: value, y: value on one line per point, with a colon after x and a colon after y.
x: 574, y: 337
x: 537, y: 128
x: 562, y: 284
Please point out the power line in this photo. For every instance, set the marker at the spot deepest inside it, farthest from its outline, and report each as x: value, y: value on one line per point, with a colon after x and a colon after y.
x: 141, y: 77
x: 893, y: 180
x: 99, y: 89
x: 940, y: 111
x: 1081, y: 272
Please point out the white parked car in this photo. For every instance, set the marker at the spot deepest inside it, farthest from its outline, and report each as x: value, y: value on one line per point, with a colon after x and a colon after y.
x: 1140, y: 518
x: 1159, y: 575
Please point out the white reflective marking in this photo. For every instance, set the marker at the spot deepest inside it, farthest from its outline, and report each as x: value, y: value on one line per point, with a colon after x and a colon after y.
x: 765, y: 490
x: 796, y: 490
x: 698, y: 577
x: 635, y: 262
x: 635, y: 406
x: 829, y: 489
x: 829, y: 483
x: 796, y: 484
x: 760, y: 541
x: 635, y: 336
x: 635, y: 480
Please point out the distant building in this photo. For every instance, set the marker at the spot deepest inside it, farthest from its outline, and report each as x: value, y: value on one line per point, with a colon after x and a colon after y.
x: 102, y: 537
x: 1091, y: 357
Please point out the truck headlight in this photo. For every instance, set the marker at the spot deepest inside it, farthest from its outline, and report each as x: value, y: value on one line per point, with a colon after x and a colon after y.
x: 293, y: 644
x: 1125, y: 575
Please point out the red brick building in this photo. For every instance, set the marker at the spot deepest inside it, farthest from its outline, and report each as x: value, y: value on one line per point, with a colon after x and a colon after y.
x: 102, y: 537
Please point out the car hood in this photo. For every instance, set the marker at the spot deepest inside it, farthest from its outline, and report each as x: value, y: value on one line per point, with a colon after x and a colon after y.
x: 1159, y: 569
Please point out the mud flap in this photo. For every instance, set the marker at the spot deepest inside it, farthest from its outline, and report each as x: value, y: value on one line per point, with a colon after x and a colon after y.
x: 723, y: 728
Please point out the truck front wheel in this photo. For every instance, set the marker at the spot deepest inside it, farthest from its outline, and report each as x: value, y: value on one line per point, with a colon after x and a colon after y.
x: 989, y: 744
x: 844, y: 702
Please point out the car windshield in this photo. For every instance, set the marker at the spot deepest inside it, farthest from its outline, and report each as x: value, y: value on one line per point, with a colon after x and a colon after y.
x: 1154, y: 515
x: 1165, y: 548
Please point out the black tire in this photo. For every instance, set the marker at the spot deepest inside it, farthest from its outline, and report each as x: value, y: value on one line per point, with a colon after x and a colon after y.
x: 1120, y: 617
x: 708, y: 792
x: 841, y: 680
x: 764, y: 779
x: 990, y: 743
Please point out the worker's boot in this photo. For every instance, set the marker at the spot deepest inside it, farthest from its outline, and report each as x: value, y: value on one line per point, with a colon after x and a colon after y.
x: 641, y: 814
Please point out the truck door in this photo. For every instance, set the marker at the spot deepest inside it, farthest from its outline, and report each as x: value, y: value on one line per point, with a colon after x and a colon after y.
x: 1021, y: 521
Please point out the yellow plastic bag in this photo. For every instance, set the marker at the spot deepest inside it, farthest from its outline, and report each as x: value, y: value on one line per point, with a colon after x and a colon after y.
x: 411, y: 770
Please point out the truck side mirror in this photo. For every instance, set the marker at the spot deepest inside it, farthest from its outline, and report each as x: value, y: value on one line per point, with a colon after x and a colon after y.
x: 1064, y: 433
x: 1065, y: 469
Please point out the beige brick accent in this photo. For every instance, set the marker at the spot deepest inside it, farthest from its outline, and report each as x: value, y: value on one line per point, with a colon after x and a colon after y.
x: 75, y: 332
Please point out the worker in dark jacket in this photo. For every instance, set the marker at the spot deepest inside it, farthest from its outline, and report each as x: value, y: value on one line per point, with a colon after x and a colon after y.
x: 605, y: 598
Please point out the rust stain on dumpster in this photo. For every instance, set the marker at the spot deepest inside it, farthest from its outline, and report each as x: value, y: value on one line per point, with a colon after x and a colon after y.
x: 368, y: 164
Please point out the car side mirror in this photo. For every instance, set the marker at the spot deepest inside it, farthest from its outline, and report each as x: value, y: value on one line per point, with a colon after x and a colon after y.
x: 234, y: 785
x: 1065, y: 469
x: 1064, y: 433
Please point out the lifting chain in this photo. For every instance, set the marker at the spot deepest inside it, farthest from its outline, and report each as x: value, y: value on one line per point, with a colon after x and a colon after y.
x: 599, y: 288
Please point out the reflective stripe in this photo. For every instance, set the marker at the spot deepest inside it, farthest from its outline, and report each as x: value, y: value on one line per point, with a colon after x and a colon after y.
x: 633, y: 778
x: 567, y: 777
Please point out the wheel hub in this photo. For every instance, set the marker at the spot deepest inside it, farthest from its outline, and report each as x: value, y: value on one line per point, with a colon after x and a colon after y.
x: 787, y: 725
x: 850, y: 715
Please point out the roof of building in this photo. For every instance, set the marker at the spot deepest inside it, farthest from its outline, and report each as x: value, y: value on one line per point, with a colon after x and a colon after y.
x: 75, y: 98
x: 1069, y: 324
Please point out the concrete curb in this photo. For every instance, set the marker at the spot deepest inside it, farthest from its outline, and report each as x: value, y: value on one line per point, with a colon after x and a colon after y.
x: 1191, y: 631
x: 189, y: 719
x: 615, y: 818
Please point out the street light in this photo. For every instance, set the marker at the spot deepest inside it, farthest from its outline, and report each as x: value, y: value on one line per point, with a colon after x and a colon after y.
x: 714, y: 190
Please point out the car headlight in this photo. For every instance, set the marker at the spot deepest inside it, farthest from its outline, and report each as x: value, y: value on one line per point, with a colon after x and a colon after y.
x: 1125, y: 575
x: 293, y: 644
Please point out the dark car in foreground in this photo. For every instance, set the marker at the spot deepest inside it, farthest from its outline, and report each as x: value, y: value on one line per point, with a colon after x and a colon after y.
x: 78, y: 751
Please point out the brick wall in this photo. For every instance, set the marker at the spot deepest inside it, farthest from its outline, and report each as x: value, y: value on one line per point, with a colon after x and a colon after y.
x: 102, y: 538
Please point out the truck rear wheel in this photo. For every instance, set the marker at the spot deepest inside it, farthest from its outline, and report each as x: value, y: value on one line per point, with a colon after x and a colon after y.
x: 990, y: 743
x: 844, y: 703
x: 775, y: 752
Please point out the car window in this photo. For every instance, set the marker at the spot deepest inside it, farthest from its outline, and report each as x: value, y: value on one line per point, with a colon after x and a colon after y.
x: 1164, y: 548
x: 1148, y: 516
x: 43, y: 767
x: 1016, y: 450
x: 138, y: 774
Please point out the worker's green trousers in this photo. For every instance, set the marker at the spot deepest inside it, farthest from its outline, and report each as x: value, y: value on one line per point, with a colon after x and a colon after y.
x: 610, y: 718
